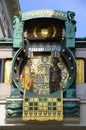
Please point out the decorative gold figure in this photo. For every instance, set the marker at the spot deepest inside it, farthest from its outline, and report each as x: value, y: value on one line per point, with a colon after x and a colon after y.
x: 27, y: 78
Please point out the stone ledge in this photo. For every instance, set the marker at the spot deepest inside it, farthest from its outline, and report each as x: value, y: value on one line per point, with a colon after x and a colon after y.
x: 5, y: 90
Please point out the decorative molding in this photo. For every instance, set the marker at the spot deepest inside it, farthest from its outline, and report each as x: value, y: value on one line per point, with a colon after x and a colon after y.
x: 5, y: 53
x: 44, y: 13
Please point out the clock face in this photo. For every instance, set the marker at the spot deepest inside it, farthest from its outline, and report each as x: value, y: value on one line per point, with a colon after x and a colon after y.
x: 35, y: 74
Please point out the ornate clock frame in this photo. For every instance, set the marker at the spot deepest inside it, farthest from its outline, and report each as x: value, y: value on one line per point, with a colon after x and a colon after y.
x: 43, y: 105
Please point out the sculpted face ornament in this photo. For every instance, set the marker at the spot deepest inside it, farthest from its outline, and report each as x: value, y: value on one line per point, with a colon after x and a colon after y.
x: 44, y: 32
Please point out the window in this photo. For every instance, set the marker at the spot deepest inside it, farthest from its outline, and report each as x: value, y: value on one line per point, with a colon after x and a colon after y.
x: 7, y: 71
x: 80, y: 71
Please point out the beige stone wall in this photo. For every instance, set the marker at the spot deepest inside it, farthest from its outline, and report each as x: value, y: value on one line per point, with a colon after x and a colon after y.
x: 5, y: 90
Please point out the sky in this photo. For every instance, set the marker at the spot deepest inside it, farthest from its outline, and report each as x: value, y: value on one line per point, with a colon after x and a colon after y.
x: 78, y: 6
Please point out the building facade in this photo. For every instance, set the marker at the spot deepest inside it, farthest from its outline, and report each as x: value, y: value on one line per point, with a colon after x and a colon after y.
x: 42, y: 72
x: 8, y: 8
